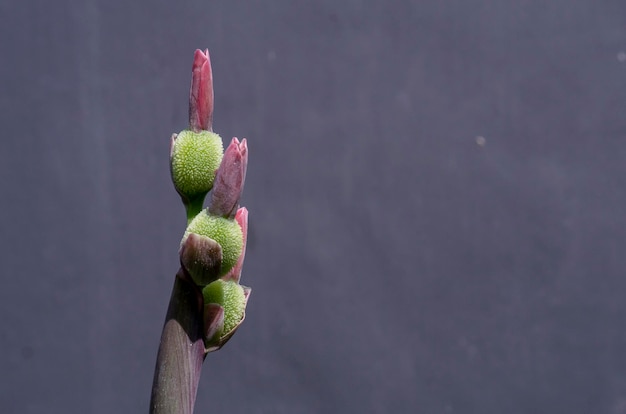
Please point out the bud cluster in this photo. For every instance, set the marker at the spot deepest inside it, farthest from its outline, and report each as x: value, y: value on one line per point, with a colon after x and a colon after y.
x: 213, y: 246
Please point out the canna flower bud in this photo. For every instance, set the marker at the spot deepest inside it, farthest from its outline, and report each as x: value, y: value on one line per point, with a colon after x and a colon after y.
x: 229, y: 179
x: 194, y: 158
x: 226, y: 232
x: 224, y: 310
x: 201, y: 93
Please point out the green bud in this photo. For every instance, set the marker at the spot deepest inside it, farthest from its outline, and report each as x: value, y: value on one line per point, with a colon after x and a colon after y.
x: 230, y: 295
x: 194, y: 158
x: 226, y: 232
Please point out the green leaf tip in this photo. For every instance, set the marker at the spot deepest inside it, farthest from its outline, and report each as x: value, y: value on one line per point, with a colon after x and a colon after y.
x: 226, y: 232
x: 194, y: 159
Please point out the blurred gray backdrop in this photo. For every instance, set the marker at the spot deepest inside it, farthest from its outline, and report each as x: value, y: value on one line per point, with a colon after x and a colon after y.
x: 436, y: 194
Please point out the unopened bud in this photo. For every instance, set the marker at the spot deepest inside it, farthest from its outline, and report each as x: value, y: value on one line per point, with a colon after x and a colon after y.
x: 194, y: 158
x: 201, y: 93
x: 229, y: 179
x: 232, y: 298
x: 226, y: 232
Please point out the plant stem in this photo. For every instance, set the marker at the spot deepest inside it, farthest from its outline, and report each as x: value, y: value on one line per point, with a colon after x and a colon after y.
x: 194, y: 207
x: 181, y: 352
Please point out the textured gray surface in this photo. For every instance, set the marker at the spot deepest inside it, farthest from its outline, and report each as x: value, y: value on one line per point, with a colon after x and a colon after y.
x: 399, y: 263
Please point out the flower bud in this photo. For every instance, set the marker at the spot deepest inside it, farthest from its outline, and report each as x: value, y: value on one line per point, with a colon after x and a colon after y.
x: 229, y: 179
x: 201, y: 93
x: 194, y: 158
x: 226, y: 232
x: 232, y: 298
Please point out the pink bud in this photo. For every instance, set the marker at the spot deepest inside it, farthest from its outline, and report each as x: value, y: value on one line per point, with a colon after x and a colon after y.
x: 229, y: 179
x: 242, y: 218
x: 201, y: 93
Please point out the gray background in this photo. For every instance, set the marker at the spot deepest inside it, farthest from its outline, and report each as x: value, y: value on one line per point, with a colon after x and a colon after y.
x: 400, y: 263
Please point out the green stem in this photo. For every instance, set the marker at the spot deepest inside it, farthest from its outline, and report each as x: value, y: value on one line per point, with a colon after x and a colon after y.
x: 193, y: 207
